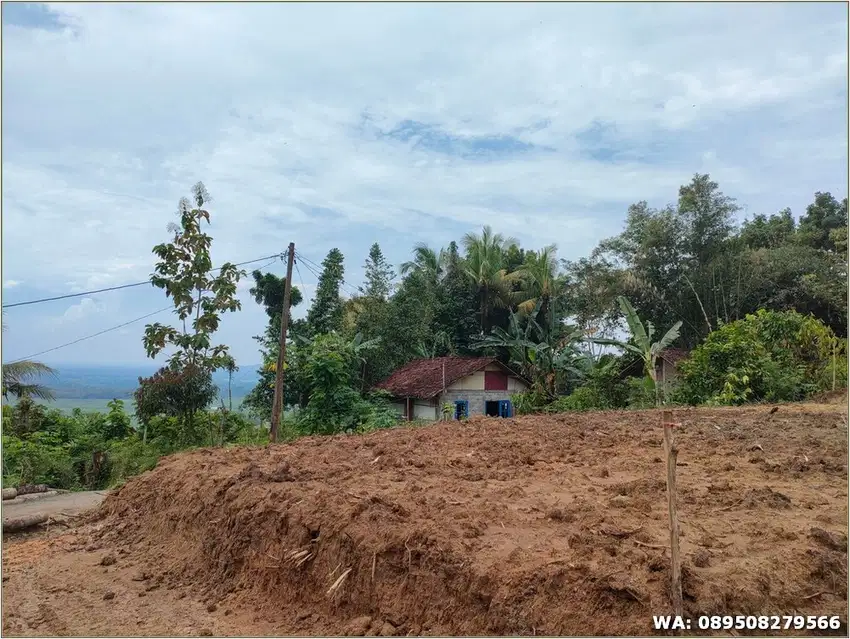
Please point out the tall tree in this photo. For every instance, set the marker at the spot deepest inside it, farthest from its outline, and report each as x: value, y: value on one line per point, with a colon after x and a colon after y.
x: 707, y: 216
x: 326, y: 313
x: 538, y: 277
x: 428, y: 262
x: 184, y: 272
x: 824, y: 222
x: 268, y: 291
x: 762, y: 232
x: 455, y: 306
x: 379, y: 275
x: 485, y: 266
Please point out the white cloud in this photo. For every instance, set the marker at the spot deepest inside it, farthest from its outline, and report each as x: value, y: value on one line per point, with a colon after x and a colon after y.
x: 83, y: 309
x: 285, y: 112
x: 11, y: 283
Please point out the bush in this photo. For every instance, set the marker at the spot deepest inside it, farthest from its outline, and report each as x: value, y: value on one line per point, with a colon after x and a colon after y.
x: 531, y: 401
x: 641, y: 393
x: 769, y: 356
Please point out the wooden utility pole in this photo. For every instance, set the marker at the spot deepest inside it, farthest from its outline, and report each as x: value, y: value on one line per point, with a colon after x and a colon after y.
x: 672, y: 452
x: 277, y: 406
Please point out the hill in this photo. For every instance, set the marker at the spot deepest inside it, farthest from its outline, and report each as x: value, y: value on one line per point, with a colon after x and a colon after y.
x: 540, y: 525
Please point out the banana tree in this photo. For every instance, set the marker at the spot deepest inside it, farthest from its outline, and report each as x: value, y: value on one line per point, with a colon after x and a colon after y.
x: 641, y: 342
x: 534, y: 351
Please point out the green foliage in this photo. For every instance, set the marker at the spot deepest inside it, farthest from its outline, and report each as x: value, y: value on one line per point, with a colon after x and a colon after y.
x: 641, y: 342
x: 334, y: 405
x: 91, y: 451
x: 529, y: 402
x: 184, y: 272
x: 19, y: 380
x: 767, y: 356
x: 326, y: 313
x: 379, y: 275
x: 177, y: 393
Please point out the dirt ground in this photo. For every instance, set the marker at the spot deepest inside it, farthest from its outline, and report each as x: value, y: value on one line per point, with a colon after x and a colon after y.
x: 552, y: 525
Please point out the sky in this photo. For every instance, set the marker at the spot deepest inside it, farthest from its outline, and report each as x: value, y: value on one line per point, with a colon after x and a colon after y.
x: 340, y: 125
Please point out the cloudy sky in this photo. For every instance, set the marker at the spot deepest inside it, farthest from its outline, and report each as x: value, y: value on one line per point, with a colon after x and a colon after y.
x: 341, y: 125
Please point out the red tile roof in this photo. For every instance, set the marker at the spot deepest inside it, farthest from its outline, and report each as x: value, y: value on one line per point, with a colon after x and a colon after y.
x: 423, y: 378
x: 674, y: 355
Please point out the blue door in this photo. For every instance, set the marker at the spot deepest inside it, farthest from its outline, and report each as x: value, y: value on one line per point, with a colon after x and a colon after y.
x: 505, y: 408
x: 461, y: 409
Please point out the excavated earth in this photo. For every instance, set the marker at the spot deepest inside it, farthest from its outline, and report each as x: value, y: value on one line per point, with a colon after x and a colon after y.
x: 547, y: 525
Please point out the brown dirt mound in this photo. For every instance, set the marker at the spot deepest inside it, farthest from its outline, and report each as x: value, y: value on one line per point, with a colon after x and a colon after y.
x: 546, y: 525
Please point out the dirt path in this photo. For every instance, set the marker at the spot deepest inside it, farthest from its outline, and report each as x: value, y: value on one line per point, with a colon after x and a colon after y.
x: 63, y: 504
x: 543, y: 525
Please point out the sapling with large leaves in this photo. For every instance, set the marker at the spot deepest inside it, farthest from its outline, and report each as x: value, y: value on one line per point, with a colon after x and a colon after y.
x: 641, y: 341
x: 185, y: 273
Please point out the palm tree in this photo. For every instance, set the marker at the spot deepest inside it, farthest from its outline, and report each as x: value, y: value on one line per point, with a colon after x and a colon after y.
x: 19, y: 380
x: 484, y: 265
x: 427, y: 261
x: 231, y: 367
x: 643, y: 344
x: 539, y: 279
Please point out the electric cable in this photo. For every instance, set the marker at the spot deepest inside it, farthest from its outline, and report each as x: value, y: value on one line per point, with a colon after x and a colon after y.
x: 82, y: 339
x: 115, y: 288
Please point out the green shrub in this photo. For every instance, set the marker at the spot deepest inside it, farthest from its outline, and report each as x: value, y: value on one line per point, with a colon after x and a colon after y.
x: 769, y: 356
x: 531, y: 401
x: 131, y: 457
x: 641, y: 393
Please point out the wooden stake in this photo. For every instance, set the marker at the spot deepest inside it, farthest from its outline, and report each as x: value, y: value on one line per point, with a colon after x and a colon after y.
x: 277, y: 406
x: 672, y: 452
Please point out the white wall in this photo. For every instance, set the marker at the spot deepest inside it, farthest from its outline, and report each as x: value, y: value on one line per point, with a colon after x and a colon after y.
x: 516, y: 385
x: 475, y: 382
x: 424, y: 409
x: 470, y: 382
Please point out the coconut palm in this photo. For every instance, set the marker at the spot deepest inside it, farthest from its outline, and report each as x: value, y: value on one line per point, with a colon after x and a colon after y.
x: 19, y: 380
x: 539, y: 281
x: 484, y: 265
x: 427, y: 261
x: 641, y: 342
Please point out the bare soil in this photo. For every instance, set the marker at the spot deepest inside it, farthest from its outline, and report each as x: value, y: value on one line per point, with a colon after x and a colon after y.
x: 550, y: 525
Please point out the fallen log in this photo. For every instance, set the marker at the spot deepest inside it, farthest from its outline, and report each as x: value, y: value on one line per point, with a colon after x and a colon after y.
x: 20, y: 499
x: 9, y: 493
x: 28, y: 489
x: 22, y: 523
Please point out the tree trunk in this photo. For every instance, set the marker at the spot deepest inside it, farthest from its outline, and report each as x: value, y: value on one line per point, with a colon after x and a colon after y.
x: 27, y: 489
x: 22, y: 523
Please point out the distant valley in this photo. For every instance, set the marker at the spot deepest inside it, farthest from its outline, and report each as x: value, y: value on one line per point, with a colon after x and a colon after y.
x: 91, y: 387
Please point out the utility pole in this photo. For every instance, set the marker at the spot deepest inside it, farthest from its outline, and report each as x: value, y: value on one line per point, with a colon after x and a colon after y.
x: 277, y: 406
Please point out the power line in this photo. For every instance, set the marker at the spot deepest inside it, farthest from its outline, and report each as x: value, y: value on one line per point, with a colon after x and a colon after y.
x: 133, y: 321
x: 82, y: 339
x: 308, y: 261
x: 115, y: 288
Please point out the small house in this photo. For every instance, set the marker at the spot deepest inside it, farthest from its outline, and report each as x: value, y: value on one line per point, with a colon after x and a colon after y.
x: 470, y: 385
x: 666, y: 367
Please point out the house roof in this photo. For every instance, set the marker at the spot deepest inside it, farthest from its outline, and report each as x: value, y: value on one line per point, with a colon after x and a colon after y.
x: 674, y: 355
x: 423, y: 378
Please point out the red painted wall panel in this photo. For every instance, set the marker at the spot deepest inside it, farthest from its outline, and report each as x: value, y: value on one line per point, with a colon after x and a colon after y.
x: 495, y: 381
